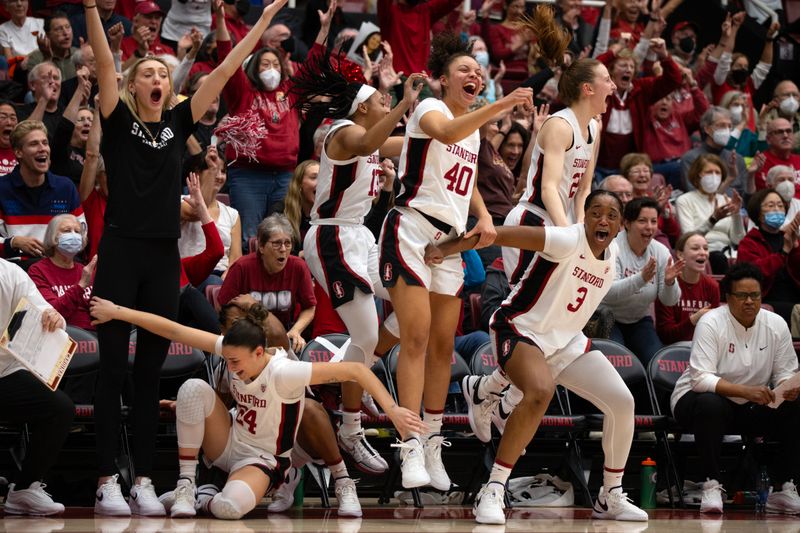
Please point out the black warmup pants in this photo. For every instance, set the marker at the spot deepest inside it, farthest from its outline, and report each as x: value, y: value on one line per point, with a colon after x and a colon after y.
x: 49, y: 414
x: 710, y: 416
x: 142, y: 274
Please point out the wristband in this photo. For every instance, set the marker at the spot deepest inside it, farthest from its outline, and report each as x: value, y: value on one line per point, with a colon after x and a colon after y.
x: 89, y: 7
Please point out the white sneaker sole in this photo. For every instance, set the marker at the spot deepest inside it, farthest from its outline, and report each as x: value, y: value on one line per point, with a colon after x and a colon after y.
x: 112, y: 512
x: 13, y: 509
x: 177, y: 512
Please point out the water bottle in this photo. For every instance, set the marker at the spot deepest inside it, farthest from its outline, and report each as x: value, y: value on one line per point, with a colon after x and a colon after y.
x: 299, y: 491
x: 647, y: 493
x: 762, y: 489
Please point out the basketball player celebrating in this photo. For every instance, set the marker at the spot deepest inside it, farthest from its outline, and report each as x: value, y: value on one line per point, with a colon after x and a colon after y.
x: 269, y: 390
x: 340, y: 251
x: 438, y: 169
x: 558, y: 182
x: 536, y: 334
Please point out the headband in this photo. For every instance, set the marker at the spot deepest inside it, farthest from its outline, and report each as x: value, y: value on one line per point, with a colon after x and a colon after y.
x: 363, y: 95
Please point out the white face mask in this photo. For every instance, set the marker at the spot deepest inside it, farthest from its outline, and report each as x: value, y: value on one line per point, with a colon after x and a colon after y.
x: 710, y: 182
x: 789, y: 106
x: 786, y: 190
x: 737, y: 112
x: 270, y: 78
x: 721, y: 137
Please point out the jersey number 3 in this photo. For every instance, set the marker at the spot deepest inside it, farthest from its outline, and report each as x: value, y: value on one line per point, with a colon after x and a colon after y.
x: 247, y: 418
x: 574, y: 306
x: 459, y: 179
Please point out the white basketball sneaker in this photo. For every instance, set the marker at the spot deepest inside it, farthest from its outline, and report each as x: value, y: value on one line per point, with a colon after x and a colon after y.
x: 109, y: 500
x: 32, y: 501
x: 412, y: 467
x: 615, y: 505
x: 489, y: 504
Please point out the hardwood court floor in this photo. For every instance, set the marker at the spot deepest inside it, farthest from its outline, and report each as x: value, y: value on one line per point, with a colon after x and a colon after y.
x: 455, y: 519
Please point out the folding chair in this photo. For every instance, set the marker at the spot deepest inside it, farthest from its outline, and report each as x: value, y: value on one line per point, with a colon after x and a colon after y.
x: 323, y: 349
x: 560, y: 421
x: 635, y: 376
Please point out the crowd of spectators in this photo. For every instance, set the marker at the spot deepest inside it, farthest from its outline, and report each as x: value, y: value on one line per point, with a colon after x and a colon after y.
x: 703, y: 151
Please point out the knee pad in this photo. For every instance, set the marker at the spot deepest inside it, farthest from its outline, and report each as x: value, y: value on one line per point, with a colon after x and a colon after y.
x: 195, y: 402
x: 235, y: 501
x: 354, y: 354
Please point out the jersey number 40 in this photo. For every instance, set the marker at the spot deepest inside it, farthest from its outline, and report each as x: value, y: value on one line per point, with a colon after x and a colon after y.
x: 459, y: 179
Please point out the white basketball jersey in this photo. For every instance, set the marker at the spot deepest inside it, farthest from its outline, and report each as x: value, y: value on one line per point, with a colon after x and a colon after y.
x: 576, y: 160
x: 438, y: 178
x: 264, y: 419
x: 345, y: 189
x: 562, y: 287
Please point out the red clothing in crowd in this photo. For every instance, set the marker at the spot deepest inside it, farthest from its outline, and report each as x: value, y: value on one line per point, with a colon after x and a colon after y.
x: 8, y: 161
x: 670, y: 138
x: 672, y: 322
x: 498, y: 38
x: 621, y: 26
x: 754, y: 248
x: 237, y: 28
x: 129, y: 46
x: 772, y: 159
x: 94, y: 208
x: 718, y: 91
x: 59, y: 286
x: 643, y: 93
x: 326, y: 319
x: 279, y: 145
x: 284, y: 293
x: 408, y: 30
x: 196, y: 268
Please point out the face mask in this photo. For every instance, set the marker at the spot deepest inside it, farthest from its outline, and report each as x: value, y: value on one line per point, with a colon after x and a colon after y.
x: 710, y: 183
x: 786, y: 190
x: 789, y: 106
x: 270, y: 78
x: 736, y: 113
x: 774, y: 219
x: 739, y: 76
x: 482, y: 57
x: 70, y: 243
x: 721, y: 137
x: 686, y: 45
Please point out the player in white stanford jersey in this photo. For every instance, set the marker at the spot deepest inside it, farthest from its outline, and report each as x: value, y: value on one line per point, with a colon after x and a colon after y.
x: 438, y: 170
x: 268, y: 388
x: 537, y: 338
x: 562, y: 158
x: 340, y: 251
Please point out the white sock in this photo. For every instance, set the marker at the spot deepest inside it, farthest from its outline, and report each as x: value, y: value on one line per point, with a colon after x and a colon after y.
x: 338, y: 470
x: 511, y: 398
x: 187, y: 465
x: 612, y: 478
x: 433, y: 422
x: 500, y: 473
x: 351, y: 423
x: 493, y: 383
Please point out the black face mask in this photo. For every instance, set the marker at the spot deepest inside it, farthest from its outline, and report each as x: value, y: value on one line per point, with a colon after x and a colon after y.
x: 686, y: 45
x: 739, y: 76
x: 288, y: 45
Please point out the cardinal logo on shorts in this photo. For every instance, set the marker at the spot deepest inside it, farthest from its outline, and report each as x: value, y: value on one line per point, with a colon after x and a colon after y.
x: 263, y: 388
x: 338, y: 290
x: 506, y: 347
x: 606, y: 270
x: 387, y: 272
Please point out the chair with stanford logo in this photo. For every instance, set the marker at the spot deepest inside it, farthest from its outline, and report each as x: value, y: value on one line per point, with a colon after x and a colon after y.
x: 454, y: 418
x: 324, y: 349
x: 556, y: 423
x: 646, y: 419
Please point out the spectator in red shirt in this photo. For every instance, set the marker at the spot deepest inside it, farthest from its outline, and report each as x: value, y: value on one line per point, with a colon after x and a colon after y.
x: 628, y: 20
x: 65, y: 283
x: 508, y: 42
x: 406, y: 25
x: 145, y: 36
x: 281, y: 282
x: 780, y: 141
x: 699, y: 291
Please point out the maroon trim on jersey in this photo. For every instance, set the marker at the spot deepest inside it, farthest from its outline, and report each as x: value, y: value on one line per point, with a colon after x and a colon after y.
x: 340, y: 250
x: 290, y: 419
x: 325, y: 281
x: 531, y: 287
x: 536, y: 193
x: 531, y: 219
x: 342, y: 178
x: 416, y: 155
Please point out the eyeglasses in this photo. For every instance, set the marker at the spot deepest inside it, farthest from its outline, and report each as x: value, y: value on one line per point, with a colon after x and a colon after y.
x: 785, y: 131
x: 743, y: 296
x: 277, y: 245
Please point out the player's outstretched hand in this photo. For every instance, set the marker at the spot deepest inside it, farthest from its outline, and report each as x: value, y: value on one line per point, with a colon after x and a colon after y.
x: 406, y: 421
x: 433, y: 255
